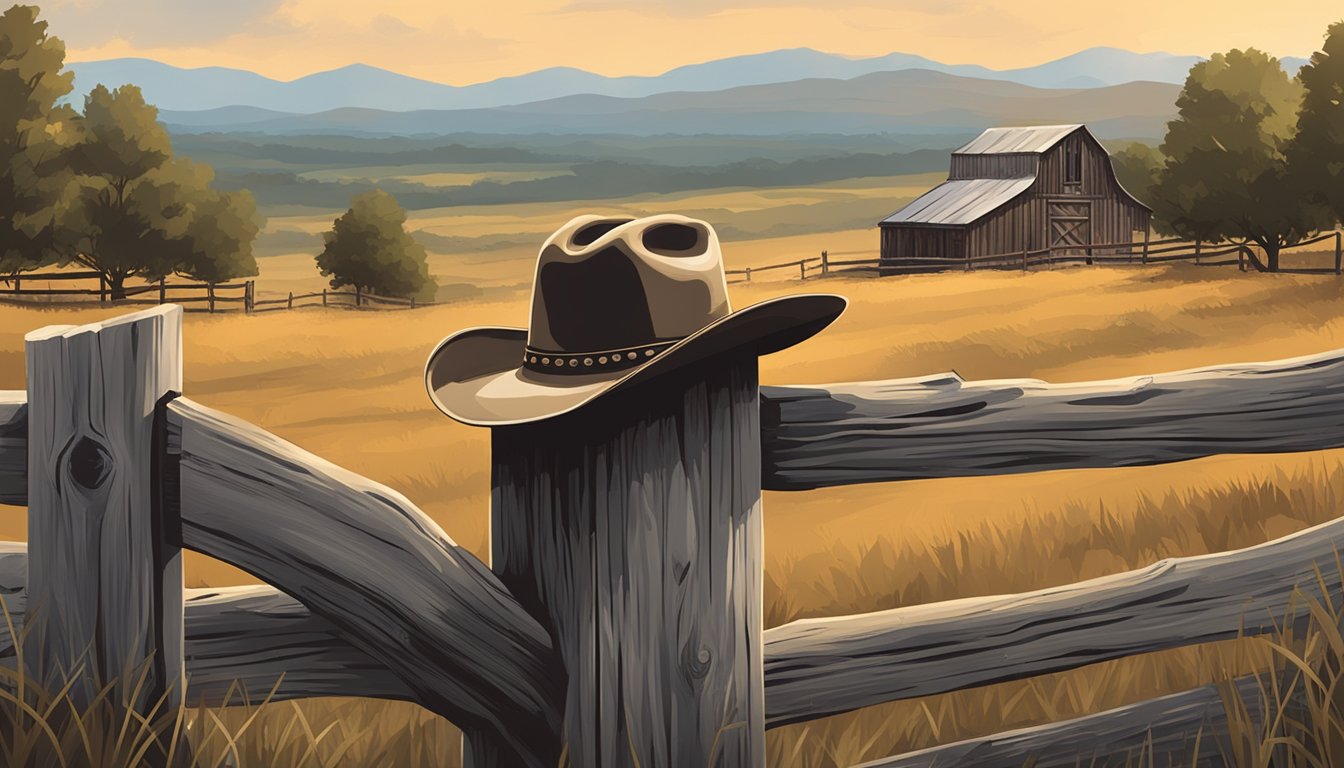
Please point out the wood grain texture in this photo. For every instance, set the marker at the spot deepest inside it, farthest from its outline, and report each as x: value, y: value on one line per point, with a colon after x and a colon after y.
x: 241, y: 642
x: 105, y: 575
x: 365, y: 559
x: 819, y: 667
x: 1187, y: 729
x: 13, y: 447
x: 942, y: 426
x: 633, y: 529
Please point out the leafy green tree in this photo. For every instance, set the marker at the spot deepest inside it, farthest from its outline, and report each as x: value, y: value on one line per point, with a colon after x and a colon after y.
x: 32, y: 137
x: 368, y: 248
x: 135, y: 210
x: 1317, y: 152
x: 1227, y: 177
x: 1137, y: 168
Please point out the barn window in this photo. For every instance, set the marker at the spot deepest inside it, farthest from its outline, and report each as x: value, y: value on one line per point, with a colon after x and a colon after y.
x: 1073, y: 163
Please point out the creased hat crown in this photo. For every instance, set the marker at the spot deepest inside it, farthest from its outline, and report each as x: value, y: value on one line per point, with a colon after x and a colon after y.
x: 613, y: 291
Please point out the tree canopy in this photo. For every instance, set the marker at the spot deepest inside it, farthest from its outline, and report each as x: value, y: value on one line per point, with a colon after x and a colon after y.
x: 369, y: 248
x: 1317, y: 153
x: 1227, y: 175
x: 32, y: 139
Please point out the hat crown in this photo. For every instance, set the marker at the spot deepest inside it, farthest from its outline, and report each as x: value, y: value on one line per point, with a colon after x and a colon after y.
x: 617, y: 284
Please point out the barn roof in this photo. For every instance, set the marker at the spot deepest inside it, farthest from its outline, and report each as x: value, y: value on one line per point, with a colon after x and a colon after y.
x: 960, y: 202
x: 1029, y: 139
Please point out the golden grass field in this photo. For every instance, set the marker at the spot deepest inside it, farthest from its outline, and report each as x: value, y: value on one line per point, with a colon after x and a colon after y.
x: 347, y: 386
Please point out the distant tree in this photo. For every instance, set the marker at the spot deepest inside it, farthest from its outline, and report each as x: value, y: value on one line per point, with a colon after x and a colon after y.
x: 217, y: 244
x: 1317, y: 152
x: 368, y: 248
x: 1227, y: 177
x: 137, y: 211
x: 32, y: 137
x: 1137, y: 168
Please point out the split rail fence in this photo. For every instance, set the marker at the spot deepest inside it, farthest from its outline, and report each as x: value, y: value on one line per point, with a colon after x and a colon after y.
x: 200, y: 297
x: 1140, y: 253
x: 619, y: 620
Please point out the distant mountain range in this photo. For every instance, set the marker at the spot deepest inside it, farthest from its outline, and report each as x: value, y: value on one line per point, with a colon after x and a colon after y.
x: 363, y: 87
x: 908, y: 101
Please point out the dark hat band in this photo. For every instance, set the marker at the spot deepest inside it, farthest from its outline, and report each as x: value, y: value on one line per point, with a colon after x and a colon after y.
x: 541, y: 361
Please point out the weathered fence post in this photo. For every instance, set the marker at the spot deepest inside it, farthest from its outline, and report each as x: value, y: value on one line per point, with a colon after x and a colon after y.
x: 1339, y: 251
x: 632, y: 530
x: 1198, y: 246
x: 802, y: 269
x: 748, y: 280
x: 1147, y: 238
x: 289, y: 303
x: 210, y: 293
x: 1024, y: 261
x: 825, y: 263
x: 104, y: 564
x: 324, y: 297
x: 18, y: 284
x: 162, y: 289
x: 357, y: 295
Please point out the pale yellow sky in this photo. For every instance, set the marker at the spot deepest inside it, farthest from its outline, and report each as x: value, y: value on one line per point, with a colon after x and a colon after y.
x: 462, y: 42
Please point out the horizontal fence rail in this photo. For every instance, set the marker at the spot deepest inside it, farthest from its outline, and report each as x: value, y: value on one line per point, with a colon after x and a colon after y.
x: 943, y: 426
x: 213, y: 295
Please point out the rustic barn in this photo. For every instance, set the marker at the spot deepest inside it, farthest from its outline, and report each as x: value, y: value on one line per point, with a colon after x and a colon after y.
x: 1019, y: 189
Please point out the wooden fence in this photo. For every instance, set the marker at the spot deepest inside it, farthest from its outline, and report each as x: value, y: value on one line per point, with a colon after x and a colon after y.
x: 619, y: 620
x: 200, y: 297
x: 1140, y: 253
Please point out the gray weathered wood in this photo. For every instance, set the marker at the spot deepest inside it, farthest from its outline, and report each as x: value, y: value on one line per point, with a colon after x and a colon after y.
x: 633, y: 529
x: 1158, y: 732
x: 241, y: 642
x: 386, y: 577
x: 13, y: 447
x: 942, y: 426
x: 819, y: 667
x: 105, y: 572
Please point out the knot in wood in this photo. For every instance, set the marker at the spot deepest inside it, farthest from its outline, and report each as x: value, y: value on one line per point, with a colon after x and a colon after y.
x: 89, y: 463
x: 696, y: 661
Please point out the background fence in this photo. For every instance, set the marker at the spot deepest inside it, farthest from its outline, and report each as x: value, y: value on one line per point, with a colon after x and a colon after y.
x: 1140, y: 253
x: 198, y: 297
x: 623, y: 590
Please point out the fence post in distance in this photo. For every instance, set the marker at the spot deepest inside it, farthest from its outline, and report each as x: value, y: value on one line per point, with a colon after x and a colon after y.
x: 162, y: 289
x: 1147, y: 237
x: 825, y: 263
x: 1339, y: 251
x: 748, y: 280
x: 290, y: 303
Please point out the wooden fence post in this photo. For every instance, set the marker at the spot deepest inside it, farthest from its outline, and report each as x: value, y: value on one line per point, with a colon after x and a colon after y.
x: 802, y: 269
x: 1198, y: 247
x: 162, y: 289
x: 324, y: 297
x: 1147, y: 237
x: 290, y: 303
x: 104, y: 564
x: 210, y: 293
x: 102, y: 290
x: 748, y: 280
x: 825, y: 263
x: 1339, y: 251
x: 357, y: 295
x: 18, y: 284
x: 632, y: 529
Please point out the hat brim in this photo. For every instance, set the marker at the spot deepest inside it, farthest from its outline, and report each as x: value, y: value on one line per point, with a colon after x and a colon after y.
x: 474, y: 375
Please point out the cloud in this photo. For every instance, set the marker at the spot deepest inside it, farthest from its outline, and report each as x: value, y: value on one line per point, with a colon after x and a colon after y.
x: 158, y: 23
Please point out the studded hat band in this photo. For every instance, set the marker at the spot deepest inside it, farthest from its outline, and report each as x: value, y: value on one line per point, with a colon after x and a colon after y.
x: 542, y: 361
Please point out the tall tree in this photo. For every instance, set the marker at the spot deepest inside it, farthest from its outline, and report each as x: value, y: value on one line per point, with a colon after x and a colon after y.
x: 1227, y: 177
x: 1317, y: 152
x: 368, y: 248
x: 217, y: 244
x: 32, y: 137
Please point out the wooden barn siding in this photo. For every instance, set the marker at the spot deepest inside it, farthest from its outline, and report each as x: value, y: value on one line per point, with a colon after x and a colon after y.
x: 993, y: 166
x: 930, y: 242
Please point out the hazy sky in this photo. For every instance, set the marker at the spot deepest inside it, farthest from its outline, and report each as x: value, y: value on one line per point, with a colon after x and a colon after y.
x: 465, y: 41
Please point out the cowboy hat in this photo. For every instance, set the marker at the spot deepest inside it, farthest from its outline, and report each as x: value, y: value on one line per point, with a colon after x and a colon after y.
x: 616, y: 301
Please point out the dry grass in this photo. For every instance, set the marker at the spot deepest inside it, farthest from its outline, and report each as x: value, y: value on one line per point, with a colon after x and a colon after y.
x: 347, y: 386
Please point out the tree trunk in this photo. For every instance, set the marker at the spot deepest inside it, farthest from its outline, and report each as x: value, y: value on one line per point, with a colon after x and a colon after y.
x: 1272, y: 256
x: 632, y: 529
x: 117, y: 285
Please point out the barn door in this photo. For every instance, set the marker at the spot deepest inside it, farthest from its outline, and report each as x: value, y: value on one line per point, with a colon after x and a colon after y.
x: 1070, y: 225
